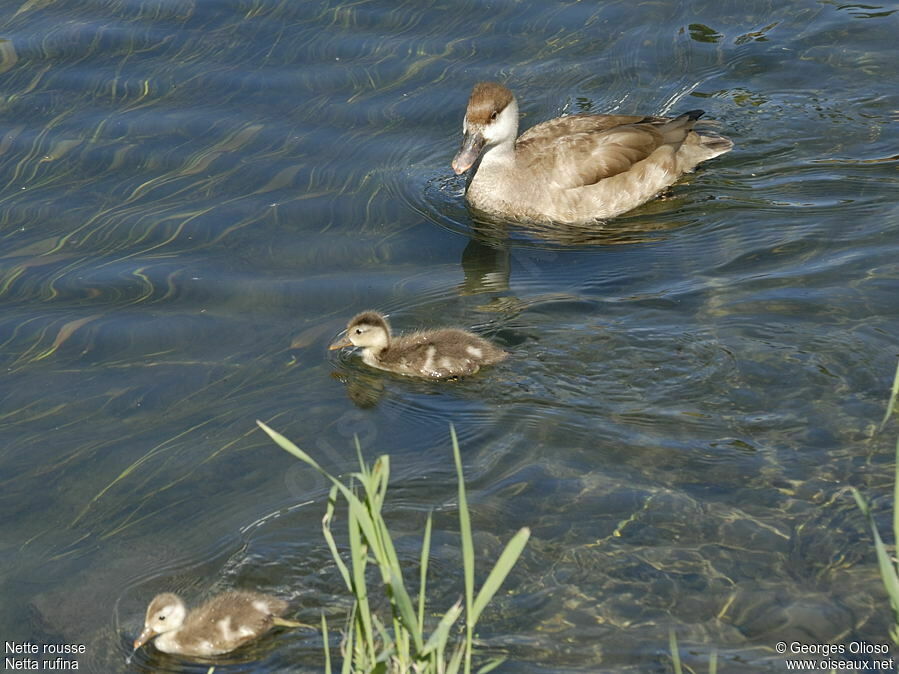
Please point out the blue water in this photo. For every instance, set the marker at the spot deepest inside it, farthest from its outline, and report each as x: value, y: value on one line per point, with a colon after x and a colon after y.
x: 196, y: 196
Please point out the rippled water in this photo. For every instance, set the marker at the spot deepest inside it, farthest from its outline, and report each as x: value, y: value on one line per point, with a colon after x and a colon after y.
x: 196, y: 196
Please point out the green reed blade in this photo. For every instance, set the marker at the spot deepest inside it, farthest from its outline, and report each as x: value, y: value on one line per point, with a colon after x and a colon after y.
x: 404, y: 605
x: 456, y: 659
x: 356, y: 506
x: 359, y: 557
x: 887, y: 568
x: 440, y: 635
x: 467, y: 549
x: 490, y: 666
x: 675, y: 653
x: 326, y: 645
x: 500, y: 570
x: 892, y: 404
x: 896, y: 496
x: 329, y: 538
x: 425, y: 555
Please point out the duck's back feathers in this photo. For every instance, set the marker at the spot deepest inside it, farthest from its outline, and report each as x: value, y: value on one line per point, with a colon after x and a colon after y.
x: 439, y: 354
x: 581, y: 150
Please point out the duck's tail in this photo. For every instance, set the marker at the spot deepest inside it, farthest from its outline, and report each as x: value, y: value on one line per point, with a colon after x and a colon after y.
x: 696, y: 147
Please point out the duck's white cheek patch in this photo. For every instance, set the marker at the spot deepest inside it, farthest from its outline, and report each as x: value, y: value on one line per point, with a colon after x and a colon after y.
x: 261, y: 606
x: 474, y: 351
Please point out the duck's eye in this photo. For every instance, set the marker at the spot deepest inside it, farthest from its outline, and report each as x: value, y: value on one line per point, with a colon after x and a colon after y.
x: 162, y: 617
x: 493, y: 115
x: 358, y: 331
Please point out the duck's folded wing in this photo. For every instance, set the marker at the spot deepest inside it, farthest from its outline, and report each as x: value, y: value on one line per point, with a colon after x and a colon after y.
x: 573, y: 124
x: 583, y: 159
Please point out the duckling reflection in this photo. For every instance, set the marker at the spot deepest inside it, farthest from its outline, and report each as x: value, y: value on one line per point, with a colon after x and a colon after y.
x: 434, y: 354
x: 221, y: 625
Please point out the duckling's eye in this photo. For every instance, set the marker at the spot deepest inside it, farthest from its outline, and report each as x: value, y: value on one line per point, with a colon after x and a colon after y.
x: 493, y: 115
x: 162, y: 617
x: 358, y: 331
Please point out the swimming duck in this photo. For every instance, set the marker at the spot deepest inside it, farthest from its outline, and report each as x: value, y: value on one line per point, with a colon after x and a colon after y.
x: 573, y: 169
x: 219, y: 626
x: 435, y: 354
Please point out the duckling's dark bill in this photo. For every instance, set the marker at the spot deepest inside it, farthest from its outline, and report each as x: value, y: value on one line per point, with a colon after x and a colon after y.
x: 472, y: 144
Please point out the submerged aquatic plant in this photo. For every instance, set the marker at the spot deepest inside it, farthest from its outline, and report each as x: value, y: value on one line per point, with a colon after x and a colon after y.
x: 889, y: 569
x: 675, y: 656
x: 369, y: 646
x: 892, y: 404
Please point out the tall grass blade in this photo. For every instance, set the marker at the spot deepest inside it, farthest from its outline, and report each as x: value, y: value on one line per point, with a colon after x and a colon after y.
x: 363, y: 469
x: 380, y: 478
x: 327, y: 646
x: 359, y: 559
x: 675, y: 653
x: 329, y: 538
x: 499, y: 572
x: 896, y: 496
x: 490, y: 666
x: 349, y: 646
x: 887, y: 568
x: 713, y: 661
x: 440, y: 635
x: 467, y: 549
x: 368, y: 646
x: 422, y: 585
x: 404, y: 605
x: 456, y: 658
x: 892, y: 404
x: 356, y: 506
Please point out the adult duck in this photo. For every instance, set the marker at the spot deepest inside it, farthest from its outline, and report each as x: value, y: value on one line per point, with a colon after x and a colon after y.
x: 574, y: 169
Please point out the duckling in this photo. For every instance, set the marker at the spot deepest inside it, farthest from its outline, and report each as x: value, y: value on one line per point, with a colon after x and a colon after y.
x: 575, y: 169
x: 219, y: 626
x: 436, y: 354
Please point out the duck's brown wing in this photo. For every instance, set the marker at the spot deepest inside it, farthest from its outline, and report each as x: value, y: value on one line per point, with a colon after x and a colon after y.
x: 581, y: 150
x: 572, y: 124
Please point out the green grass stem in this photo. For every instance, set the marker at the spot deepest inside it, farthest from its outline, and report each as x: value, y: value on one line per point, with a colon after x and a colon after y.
x: 368, y: 646
x: 892, y: 404
x: 888, y: 569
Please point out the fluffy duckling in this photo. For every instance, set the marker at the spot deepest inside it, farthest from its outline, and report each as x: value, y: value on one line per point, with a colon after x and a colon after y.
x: 574, y: 169
x: 436, y: 354
x: 219, y: 626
